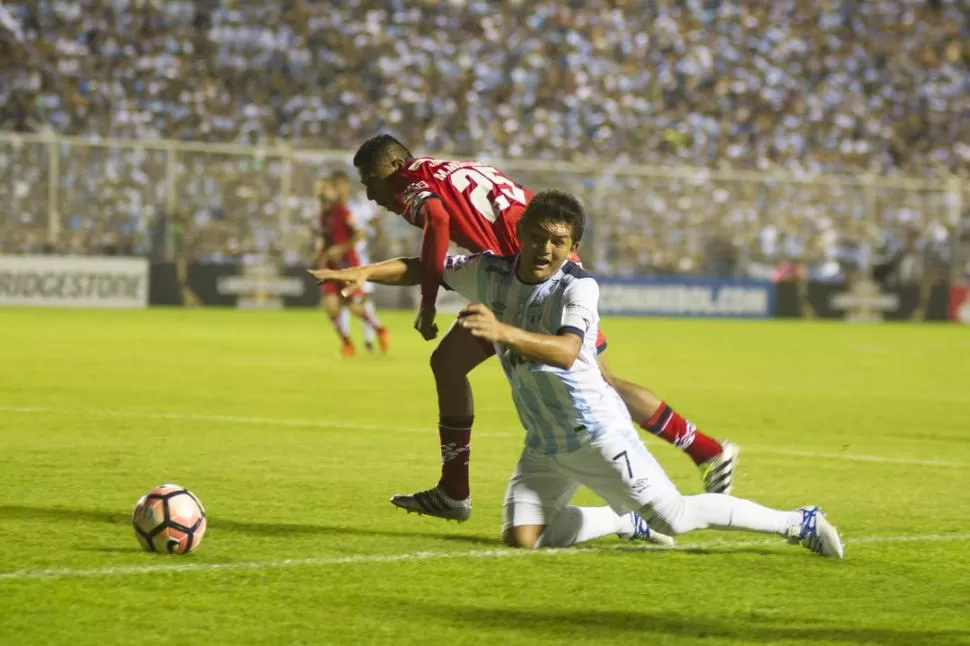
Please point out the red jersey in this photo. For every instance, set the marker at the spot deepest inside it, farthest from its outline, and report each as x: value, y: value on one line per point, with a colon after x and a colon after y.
x: 337, y: 227
x: 465, y: 202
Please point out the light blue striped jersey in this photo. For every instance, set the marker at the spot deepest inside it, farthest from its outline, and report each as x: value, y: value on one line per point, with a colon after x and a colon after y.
x: 560, y: 409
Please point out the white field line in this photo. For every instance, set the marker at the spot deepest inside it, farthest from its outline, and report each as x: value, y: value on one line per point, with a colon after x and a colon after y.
x: 857, y: 458
x: 234, y: 419
x: 331, y: 424
x: 326, y: 561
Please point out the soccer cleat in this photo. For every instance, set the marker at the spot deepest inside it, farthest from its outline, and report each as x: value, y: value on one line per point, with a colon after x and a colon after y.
x: 642, y: 532
x: 384, y: 340
x: 718, y: 472
x: 434, y: 502
x: 348, y: 350
x: 816, y: 533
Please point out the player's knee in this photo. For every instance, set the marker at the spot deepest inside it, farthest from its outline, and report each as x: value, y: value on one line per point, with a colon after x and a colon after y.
x: 439, y: 361
x: 448, y: 364
x: 520, y: 537
x: 668, y: 517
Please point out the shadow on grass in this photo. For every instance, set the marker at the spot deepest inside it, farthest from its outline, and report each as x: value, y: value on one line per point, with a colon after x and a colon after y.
x: 592, y: 624
x: 64, y: 514
x: 112, y: 550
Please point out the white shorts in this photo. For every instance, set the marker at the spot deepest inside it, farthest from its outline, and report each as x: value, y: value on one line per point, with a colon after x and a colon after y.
x: 618, y: 468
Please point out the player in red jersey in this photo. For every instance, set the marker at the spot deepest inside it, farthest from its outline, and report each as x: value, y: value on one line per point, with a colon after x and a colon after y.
x: 336, y: 249
x: 477, y: 207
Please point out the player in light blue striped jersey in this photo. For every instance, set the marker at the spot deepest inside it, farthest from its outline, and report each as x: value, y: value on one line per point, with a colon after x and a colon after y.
x: 541, y: 312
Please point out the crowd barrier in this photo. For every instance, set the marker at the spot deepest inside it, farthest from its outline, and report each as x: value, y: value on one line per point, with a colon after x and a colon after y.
x: 116, y: 282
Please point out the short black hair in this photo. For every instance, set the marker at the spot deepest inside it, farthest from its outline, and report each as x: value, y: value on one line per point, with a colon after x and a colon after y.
x: 558, y: 206
x: 379, y: 148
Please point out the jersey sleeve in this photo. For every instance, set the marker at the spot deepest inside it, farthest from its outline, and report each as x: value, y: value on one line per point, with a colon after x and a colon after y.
x: 413, y: 200
x: 461, y: 275
x: 580, y: 307
x: 434, y: 249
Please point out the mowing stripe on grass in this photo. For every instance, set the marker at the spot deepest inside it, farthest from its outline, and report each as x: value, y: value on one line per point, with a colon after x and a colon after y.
x: 324, y: 561
x: 331, y: 424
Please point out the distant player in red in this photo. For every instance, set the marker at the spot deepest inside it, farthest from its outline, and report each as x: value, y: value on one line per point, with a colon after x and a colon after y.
x: 477, y: 207
x: 336, y: 249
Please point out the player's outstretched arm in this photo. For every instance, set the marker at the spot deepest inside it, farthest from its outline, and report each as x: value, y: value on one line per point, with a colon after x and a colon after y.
x: 399, y: 271
x: 434, y: 249
x: 557, y: 350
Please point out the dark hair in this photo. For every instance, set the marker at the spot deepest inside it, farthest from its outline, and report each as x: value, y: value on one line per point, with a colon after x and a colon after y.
x: 378, y: 149
x: 558, y: 206
x: 339, y: 175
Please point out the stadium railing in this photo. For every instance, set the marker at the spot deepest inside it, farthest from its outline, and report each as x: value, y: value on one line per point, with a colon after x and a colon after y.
x: 261, y: 198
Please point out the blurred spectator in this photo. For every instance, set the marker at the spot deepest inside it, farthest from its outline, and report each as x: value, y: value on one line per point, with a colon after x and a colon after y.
x: 831, y: 85
x: 836, y: 86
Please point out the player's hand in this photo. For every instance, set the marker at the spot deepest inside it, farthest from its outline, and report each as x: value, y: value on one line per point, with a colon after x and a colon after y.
x: 481, y: 322
x: 424, y: 323
x: 352, y: 279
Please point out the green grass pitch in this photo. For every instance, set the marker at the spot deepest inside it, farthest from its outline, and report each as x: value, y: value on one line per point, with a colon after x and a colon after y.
x: 295, y: 452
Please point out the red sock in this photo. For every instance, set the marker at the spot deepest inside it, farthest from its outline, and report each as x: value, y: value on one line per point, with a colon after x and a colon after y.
x: 669, y: 425
x: 455, y: 435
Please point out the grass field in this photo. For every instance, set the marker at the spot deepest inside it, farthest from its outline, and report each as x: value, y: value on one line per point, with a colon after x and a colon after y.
x: 295, y: 452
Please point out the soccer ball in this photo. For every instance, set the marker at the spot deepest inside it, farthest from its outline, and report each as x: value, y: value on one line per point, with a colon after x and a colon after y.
x: 169, y: 519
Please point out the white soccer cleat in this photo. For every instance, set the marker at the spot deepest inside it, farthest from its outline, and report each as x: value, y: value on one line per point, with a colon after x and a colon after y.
x: 642, y: 532
x: 434, y: 502
x: 816, y: 533
x: 718, y: 472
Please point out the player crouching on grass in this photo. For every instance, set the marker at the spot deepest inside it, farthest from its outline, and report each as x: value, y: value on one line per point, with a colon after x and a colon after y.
x: 540, y: 310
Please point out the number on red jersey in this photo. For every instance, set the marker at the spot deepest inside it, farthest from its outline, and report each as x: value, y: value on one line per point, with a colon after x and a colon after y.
x: 484, y: 204
x: 485, y: 188
x: 488, y: 190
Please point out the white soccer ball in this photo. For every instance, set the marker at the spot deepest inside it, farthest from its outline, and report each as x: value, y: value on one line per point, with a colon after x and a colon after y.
x: 169, y: 519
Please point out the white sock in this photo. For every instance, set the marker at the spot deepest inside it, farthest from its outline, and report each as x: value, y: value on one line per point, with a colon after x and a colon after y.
x: 342, y: 323
x: 717, y: 511
x: 370, y: 315
x: 575, y: 525
x: 369, y: 332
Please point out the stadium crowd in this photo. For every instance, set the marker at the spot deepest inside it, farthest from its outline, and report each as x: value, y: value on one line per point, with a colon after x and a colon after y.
x: 834, y: 86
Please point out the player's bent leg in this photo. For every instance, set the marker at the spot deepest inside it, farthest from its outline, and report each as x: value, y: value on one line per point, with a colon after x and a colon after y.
x: 452, y: 360
x: 332, y: 305
x: 717, y: 460
x: 618, y: 467
x: 679, y: 514
x: 603, y: 465
x: 523, y: 536
x: 358, y: 305
x: 573, y: 525
x: 457, y: 354
x: 537, y: 491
